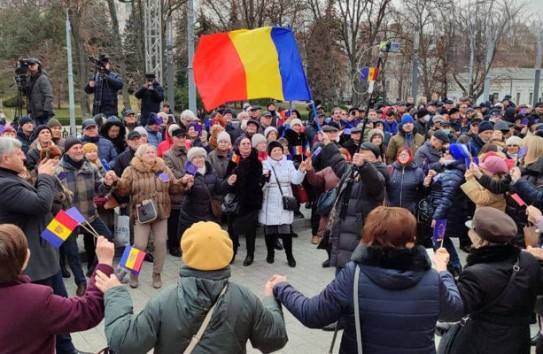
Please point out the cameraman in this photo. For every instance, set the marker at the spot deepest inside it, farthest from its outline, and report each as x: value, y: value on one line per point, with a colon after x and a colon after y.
x: 105, y: 84
x: 39, y: 93
x: 151, y: 95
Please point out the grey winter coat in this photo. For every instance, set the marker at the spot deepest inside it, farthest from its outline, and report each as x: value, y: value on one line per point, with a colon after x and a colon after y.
x: 176, y: 158
x: 40, y: 96
x: 170, y: 319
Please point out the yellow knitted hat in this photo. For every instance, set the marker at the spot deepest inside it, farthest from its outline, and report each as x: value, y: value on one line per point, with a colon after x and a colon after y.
x: 206, y: 246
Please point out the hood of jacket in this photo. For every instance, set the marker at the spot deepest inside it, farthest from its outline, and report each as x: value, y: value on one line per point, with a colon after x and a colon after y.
x: 111, y: 121
x: 393, y: 268
x: 198, y: 290
x: 138, y: 164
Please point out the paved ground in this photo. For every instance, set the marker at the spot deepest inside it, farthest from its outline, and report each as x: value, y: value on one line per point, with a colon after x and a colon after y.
x: 308, y: 276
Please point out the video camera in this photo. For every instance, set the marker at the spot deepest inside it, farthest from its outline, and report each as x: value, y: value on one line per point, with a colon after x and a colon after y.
x: 100, y: 61
x: 21, y: 71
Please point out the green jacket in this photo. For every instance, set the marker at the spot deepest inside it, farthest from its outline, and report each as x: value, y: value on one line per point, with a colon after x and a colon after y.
x: 169, y: 320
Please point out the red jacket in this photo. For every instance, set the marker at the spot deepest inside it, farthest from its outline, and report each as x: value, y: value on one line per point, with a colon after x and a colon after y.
x: 31, y: 315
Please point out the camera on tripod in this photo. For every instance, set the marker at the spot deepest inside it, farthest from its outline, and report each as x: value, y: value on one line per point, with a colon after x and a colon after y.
x: 21, y: 71
x: 100, y: 62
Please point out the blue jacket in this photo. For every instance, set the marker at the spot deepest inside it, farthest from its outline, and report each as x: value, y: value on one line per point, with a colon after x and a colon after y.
x: 448, y: 199
x: 404, y: 187
x: 400, y: 296
x: 391, y: 128
x: 106, y: 150
x: 154, y: 138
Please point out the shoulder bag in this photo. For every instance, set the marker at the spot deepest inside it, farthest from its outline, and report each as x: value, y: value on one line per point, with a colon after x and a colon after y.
x: 326, y: 202
x: 147, y: 211
x: 289, y: 203
x: 446, y: 345
x: 196, y: 338
x: 358, y: 327
x: 216, y: 207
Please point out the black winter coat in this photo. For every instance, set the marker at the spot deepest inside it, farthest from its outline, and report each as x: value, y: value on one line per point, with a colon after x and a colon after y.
x: 150, y: 100
x: 448, y: 200
x: 120, y: 141
x: 504, y: 327
x: 294, y: 139
x: 366, y: 194
x: 105, y: 93
x: 249, y: 183
x: 404, y: 187
x: 196, y: 201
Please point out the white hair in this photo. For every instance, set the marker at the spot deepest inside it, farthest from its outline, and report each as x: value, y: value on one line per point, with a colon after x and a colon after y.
x: 7, y: 145
x: 187, y: 113
x: 141, y: 149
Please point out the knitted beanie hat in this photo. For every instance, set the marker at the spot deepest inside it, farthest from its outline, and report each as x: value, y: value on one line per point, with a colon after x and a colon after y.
x: 196, y: 151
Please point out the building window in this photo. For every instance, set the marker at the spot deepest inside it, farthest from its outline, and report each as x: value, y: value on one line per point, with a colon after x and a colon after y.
x: 531, y: 98
x: 495, y: 97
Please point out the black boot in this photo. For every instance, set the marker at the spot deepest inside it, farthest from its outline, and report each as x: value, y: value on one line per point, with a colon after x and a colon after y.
x: 287, y: 244
x: 270, y: 246
x: 248, y: 260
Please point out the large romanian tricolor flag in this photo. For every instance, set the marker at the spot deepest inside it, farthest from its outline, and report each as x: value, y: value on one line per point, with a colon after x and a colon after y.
x: 248, y: 64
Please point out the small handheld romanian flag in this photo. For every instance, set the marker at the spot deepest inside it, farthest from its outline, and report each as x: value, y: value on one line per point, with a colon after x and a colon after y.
x: 59, y: 229
x: 132, y: 259
x: 297, y: 150
x: 235, y: 158
x: 307, y: 151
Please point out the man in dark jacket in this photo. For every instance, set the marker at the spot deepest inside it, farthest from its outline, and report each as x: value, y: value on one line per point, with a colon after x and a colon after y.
x: 106, y: 150
x: 357, y: 196
x: 24, y: 133
x: 430, y: 155
x: 483, y: 137
x: 39, y: 93
x: 105, y: 85
x: 151, y: 95
x: 29, y: 208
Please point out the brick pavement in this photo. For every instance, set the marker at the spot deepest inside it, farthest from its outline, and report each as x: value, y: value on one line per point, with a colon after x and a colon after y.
x: 308, y: 276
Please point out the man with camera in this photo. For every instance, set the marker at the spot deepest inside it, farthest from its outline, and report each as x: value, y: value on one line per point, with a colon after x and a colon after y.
x: 151, y: 95
x: 105, y: 84
x: 39, y: 93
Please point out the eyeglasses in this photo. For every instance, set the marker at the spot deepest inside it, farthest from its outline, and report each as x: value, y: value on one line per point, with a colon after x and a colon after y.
x: 403, y: 155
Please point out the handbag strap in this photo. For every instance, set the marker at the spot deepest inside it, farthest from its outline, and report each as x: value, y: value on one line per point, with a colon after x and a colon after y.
x: 196, y: 338
x: 277, y: 180
x: 516, y: 268
x: 357, y: 310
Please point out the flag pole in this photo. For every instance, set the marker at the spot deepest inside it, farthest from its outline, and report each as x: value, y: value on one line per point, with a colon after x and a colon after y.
x: 315, y: 116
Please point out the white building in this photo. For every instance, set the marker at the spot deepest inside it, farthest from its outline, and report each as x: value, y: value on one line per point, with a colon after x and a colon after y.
x: 517, y: 82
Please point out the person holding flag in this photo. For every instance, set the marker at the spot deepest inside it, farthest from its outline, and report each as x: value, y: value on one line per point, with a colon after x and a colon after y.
x: 34, y: 310
x: 30, y: 207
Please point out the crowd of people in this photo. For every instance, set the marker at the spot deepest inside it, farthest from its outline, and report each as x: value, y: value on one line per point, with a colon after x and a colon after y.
x: 377, y: 182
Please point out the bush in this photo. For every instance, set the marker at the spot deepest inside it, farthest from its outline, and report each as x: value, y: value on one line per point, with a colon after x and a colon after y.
x: 11, y: 102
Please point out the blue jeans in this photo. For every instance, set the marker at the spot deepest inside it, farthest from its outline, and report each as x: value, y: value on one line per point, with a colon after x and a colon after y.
x: 90, y: 241
x: 72, y: 255
x: 64, y: 341
x: 449, y: 246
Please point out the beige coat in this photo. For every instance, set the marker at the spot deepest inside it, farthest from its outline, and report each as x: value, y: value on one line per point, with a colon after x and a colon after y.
x: 482, y: 196
x: 141, y: 182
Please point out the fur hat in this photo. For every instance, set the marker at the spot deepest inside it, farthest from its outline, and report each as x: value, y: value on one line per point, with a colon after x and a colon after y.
x: 257, y: 139
x: 274, y: 144
x: 196, y: 151
x: 206, y: 247
x: 493, y: 225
